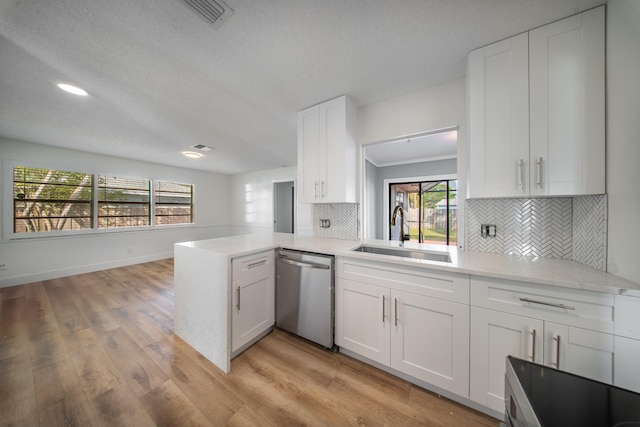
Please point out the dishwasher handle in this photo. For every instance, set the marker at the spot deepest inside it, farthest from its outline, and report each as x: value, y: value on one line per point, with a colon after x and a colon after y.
x: 304, y: 264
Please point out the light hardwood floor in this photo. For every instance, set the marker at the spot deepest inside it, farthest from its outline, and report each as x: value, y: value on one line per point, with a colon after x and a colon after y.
x: 98, y: 349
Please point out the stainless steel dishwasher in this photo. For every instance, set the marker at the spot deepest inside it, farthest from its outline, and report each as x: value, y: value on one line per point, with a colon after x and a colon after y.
x: 305, y: 295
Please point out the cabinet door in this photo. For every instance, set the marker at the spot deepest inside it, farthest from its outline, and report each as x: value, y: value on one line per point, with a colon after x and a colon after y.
x: 626, y: 372
x: 362, y: 319
x: 579, y: 351
x: 566, y: 71
x: 429, y: 340
x: 253, y: 308
x: 494, y: 336
x: 338, y: 153
x: 499, y: 119
x: 309, y: 153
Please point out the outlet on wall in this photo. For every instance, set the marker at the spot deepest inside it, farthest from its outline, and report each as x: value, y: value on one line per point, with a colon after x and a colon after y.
x: 488, y: 230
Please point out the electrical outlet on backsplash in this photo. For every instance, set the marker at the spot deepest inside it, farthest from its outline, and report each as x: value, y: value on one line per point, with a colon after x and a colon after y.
x: 559, y: 227
x: 336, y: 221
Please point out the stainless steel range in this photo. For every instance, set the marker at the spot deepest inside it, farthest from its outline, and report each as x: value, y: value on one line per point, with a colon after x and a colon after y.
x: 536, y: 395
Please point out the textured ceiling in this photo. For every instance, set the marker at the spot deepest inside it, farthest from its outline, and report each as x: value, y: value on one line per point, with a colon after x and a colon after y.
x: 161, y: 78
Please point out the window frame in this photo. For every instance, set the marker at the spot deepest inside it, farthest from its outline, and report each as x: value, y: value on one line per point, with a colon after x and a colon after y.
x: 57, y: 204
x: 387, y: 196
x: 7, y: 189
x: 154, y: 203
x: 149, y: 183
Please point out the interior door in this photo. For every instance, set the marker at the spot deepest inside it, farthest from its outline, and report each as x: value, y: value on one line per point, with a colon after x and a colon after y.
x: 283, y: 201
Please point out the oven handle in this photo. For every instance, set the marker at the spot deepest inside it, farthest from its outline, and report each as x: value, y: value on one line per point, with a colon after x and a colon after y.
x: 305, y: 264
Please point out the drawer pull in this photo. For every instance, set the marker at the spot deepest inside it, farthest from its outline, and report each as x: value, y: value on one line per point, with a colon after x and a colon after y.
x: 533, y: 346
x: 257, y: 264
x: 550, y: 304
x: 384, y: 300
x: 395, y: 309
x: 557, y: 340
x: 238, y: 306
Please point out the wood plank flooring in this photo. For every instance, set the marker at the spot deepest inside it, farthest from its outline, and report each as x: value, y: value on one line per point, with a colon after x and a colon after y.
x: 99, y: 349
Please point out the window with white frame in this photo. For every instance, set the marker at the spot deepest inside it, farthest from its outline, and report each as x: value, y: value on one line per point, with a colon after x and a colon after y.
x: 123, y: 202
x: 173, y: 203
x: 53, y: 201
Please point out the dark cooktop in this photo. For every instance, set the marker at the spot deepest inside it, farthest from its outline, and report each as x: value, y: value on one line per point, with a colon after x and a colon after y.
x: 562, y: 399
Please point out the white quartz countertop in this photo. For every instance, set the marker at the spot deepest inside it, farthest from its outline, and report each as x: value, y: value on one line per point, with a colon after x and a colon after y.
x: 544, y: 271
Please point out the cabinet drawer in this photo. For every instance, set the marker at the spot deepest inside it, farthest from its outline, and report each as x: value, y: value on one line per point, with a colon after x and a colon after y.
x: 261, y: 263
x: 417, y: 280
x: 573, y: 307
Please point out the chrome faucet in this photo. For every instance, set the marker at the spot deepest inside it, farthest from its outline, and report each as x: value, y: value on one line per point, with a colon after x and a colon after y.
x: 393, y: 222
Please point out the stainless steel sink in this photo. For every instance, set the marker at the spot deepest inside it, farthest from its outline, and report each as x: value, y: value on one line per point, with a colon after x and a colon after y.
x: 405, y: 253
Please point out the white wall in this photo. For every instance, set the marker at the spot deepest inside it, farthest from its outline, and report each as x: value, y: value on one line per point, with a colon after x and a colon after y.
x: 252, y: 197
x: 437, y: 107
x: 43, y: 258
x: 623, y: 137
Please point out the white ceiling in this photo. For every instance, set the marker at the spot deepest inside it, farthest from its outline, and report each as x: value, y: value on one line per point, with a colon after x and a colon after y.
x: 414, y: 149
x: 160, y: 78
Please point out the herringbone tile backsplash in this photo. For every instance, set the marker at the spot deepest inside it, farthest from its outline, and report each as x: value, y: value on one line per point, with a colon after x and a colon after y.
x: 343, y: 219
x: 563, y: 227
x: 590, y: 231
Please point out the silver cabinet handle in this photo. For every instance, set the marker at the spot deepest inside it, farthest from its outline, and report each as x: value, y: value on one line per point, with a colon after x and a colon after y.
x: 533, y: 345
x: 521, y: 174
x: 539, y: 172
x: 384, y: 300
x: 549, y: 304
x: 305, y: 264
x: 257, y: 264
x: 322, y: 192
x: 557, y: 340
x: 238, y: 305
x: 395, y: 309
x: 315, y: 189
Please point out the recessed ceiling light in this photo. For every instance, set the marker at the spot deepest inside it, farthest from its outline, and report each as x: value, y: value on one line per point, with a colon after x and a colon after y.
x: 72, y: 89
x: 191, y: 154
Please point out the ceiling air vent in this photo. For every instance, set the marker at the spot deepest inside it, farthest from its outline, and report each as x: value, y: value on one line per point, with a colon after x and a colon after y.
x: 202, y: 147
x: 214, y: 11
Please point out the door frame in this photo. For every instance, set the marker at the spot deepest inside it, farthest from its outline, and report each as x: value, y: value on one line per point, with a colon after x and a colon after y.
x: 386, y: 182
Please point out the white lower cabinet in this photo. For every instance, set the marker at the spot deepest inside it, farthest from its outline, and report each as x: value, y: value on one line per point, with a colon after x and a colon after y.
x: 626, y: 372
x: 627, y: 343
x: 429, y: 340
x: 419, y: 335
x: 494, y: 336
x: 568, y: 329
x: 362, y: 319
x: 579, y: 351
x: 253, y: 299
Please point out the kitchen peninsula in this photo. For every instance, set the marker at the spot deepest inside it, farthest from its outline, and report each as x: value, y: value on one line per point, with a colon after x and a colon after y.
x: 581, y: 299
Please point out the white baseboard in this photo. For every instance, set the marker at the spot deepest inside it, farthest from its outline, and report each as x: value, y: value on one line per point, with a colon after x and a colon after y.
x: 81, y: 269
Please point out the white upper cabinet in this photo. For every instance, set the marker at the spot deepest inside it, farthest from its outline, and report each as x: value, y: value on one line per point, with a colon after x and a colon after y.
x: 567, y: 121
x: 499, y: 118
x: 536, y: 111
x: 327, y: 152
